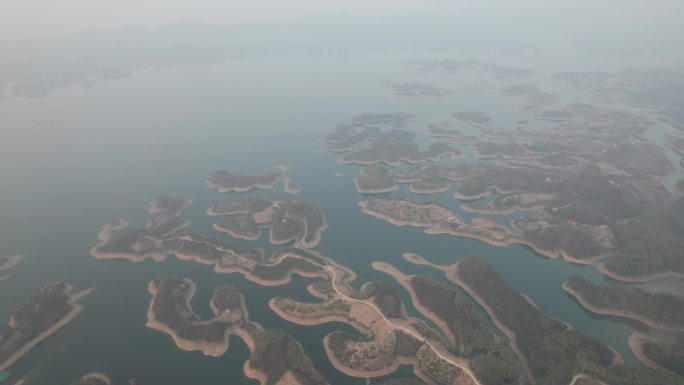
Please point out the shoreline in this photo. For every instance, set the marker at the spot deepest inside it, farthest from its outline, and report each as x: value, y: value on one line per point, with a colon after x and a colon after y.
x: 617, y: 313
x: 365, y: 373
x: 451, y: 273
x: 207, y: 348
x: 11, y: 261
x: 405, y: 281
x: 75, y: 310
x: 636, y: 343
x: 596, y: 261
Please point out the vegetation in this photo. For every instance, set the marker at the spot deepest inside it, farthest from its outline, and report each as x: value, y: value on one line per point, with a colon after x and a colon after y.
x: 473, y: 338
x: 554, y: 353
x: 40, y: 313
x: 669, y: 356
x: 277, y: 352
x: 281, y: 269
x: 385, y: 296
x: 170, y: 307
x: 631, y: 302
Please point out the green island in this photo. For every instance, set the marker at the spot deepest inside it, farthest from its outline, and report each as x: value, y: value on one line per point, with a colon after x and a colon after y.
x: 453, y: 66
x: 389, y: 337
x: 418, y: 91
x: 41, y: 316
x: 552, y: 352
x: 594, y: 195
x: 376, y: 178
x: 529, y: 94
x: 466, y: 331
x: 659, y: 88
x: 137, y: 245
x: 368, y: 144
x: 477, y: 118
x: 659, y: 310
x: 276, y: 357
x: 288, y: 221
x: 226, y: 181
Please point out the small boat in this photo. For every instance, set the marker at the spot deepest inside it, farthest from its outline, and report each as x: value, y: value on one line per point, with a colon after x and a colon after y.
x: 4, y: 375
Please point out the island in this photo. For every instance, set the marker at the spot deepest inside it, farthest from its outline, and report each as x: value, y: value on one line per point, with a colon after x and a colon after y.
x: 658, y: 89
x: 93, y: 379
x: 418, y: 91
x: 288, y: 221
x: 395, y: 146
x: 42, y: 315
x: 380, y: 145
x: 454, y: 66
x: 226, y: 181
x: 437, y: 219
x: 276, y: 357
x: 388, y: 338
x: 165, y: 215
x: 137, y: 245
x: 593, y: 193
x: 464, y: 329
x: 535, y: 337
x: 448, y: 132
x: 477, y: 118
x: 658, y: 310
x: 529, y: 94
x: 9, y: 262
x: 376, y: 179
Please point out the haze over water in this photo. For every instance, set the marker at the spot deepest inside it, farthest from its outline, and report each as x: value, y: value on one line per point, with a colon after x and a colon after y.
x: 77, y: 157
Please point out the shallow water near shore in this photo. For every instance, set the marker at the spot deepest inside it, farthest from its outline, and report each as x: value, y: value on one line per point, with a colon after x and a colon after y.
x: 105, y: 152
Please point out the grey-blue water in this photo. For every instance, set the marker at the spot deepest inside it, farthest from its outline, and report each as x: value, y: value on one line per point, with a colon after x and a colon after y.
x: 77, y: 158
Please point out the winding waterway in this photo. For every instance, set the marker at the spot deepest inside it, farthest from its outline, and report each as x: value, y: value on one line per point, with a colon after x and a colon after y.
x: 77, y: 158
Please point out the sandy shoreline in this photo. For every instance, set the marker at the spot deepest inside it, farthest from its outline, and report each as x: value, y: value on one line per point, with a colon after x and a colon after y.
x: 514, y: 238
x: 452, y: 274
x: 207, y: 348
x: 405, y: 281
x: 374, y: 191
x: 11, y: 261
x: 618, y: 313
x: 75, y: 310
x: 636, y: 343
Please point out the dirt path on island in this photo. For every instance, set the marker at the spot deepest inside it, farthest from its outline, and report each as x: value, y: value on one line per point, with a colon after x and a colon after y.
x: 464, y: 366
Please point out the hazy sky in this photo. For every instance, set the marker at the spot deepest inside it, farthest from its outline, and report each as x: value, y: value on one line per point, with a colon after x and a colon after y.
x: 24, y: 18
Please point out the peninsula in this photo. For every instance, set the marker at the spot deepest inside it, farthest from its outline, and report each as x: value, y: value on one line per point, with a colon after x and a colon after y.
x: 659, y: 310
x: 535, y: 336
x: 390, y: 338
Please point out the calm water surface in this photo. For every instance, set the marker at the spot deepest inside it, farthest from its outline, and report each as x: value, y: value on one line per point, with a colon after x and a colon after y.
x: 78, y: 158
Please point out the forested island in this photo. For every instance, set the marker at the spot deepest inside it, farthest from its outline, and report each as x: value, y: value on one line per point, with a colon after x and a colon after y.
x: 466, y: 331
x: 226, y: 181
x: 552, y: 352
x: 276, y: 357
x: 288, y: 221
x: 43, y: 314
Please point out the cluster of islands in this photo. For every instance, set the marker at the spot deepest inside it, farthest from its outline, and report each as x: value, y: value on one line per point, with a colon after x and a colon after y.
x: 582, y: 183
